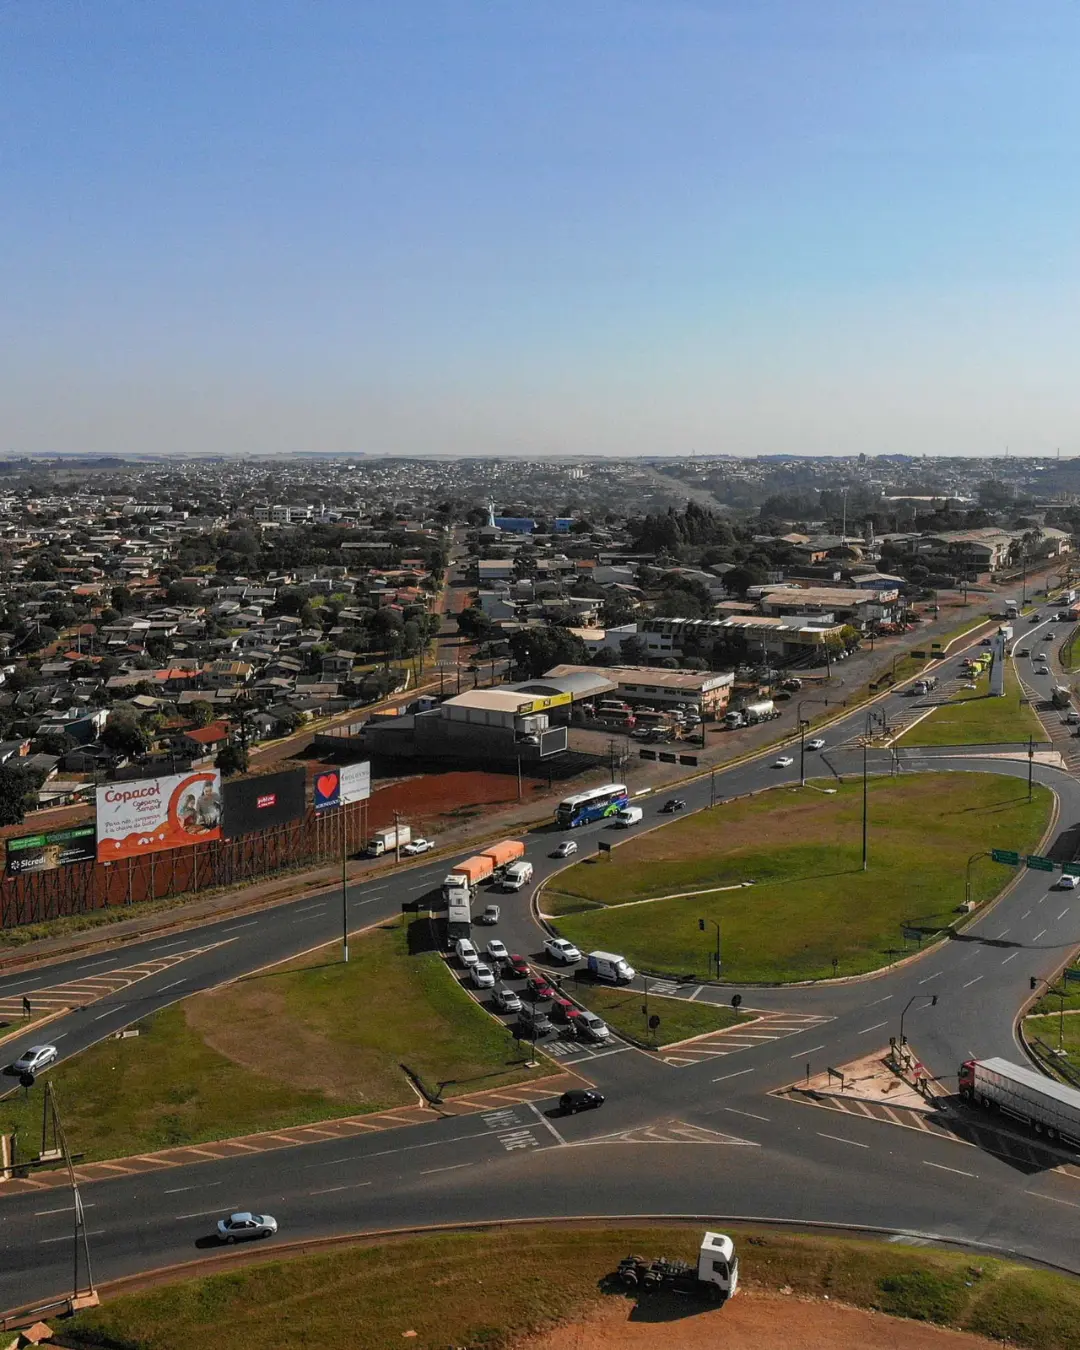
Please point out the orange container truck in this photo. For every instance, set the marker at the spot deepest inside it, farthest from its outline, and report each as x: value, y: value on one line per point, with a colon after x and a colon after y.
x: 505, y: 851
x: 475, y: 869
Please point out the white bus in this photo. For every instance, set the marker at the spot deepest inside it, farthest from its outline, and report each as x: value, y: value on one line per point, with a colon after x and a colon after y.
x: 592, y: 805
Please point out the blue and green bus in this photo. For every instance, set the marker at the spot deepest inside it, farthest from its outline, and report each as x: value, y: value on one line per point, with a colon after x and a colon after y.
x: 584, y: 807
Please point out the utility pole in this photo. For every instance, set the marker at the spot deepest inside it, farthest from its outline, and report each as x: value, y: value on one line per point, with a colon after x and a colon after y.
x: 1031, y: 764
x: 397, y: 836
x: 864, y: 807
x: 344, y: 887
x: 519, y: 776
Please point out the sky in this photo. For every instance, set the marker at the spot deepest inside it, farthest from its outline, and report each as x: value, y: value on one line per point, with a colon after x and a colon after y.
x: 539, y: 227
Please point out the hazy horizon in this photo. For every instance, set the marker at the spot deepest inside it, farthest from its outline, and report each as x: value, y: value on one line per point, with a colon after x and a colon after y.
x: 588, y: 229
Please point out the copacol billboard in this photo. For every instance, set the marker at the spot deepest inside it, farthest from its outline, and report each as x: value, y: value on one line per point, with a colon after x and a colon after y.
x: 147, y: 814
x: 258, y: 803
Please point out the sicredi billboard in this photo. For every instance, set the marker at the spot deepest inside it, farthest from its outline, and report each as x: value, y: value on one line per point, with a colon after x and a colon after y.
x: 54, y: 848
x: 148, y: 814
x: 259, y: 803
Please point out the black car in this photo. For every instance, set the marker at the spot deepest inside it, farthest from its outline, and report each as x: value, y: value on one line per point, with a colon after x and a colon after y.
x: 579, y: 1099
x: 671, y: 805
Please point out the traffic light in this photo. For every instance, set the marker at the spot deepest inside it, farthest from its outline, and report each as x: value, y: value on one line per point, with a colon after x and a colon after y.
x: 933, y: 1000
x: 701, y: 925
x: 1034, y: 982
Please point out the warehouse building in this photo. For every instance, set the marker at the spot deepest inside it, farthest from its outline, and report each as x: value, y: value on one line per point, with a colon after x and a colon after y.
x: 706, y: 691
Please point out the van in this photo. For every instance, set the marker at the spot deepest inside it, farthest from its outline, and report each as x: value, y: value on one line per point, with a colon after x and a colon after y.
x: 518, y: 874
x: 629, y: 815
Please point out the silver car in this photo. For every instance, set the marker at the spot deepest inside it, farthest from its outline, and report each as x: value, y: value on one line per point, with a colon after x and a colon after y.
x: 483, y: 977
x: 239, y: 1227
x: 35, y: 1058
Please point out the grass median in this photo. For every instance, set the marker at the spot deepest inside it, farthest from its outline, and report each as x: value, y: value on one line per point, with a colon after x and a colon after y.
x: 975, y: 717
x: 810, y: 900
x: 496, y: 1287
x: 305, y: 1041
x: 623, y: 1011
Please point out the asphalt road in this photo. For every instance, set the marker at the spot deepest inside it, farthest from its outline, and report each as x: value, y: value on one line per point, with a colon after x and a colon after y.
x: 754, y: 1155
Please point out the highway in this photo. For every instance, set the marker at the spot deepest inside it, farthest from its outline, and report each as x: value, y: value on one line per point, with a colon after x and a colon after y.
x: 701, y: 1137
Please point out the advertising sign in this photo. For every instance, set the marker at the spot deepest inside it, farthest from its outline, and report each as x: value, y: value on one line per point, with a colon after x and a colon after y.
x: 55, y: 848
x: 251, y: 804
x: 148, y: 814
x: 339, y: 787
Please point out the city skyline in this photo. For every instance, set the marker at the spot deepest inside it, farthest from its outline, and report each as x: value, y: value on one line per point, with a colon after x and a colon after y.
x: 599, y: 230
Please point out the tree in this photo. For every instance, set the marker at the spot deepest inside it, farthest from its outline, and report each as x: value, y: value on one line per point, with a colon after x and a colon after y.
x: 201, y: 713
x: 18, y: 790
x: 633, y: 651
x: 121, y: 599
x: 231, y: 759
x: 183, y: 593
x: 538, y: 649
x: 740, y: 579
x: 475, y: 624
x: 124, y: 735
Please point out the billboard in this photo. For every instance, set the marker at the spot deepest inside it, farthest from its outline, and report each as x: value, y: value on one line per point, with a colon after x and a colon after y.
x: 54, y: 848
x: 154, y: 813
x: 251, y: 804
x: 340, y: 787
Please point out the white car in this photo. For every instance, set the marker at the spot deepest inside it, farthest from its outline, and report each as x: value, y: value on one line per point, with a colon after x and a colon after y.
x: 417, y: 847
x: 238, y: 1227
x: 561, y: 950
x: 35, y: 1058
x: 1039, y: 656
x: 564, y: 850
x: 1067, y: 882
x: 1042, y: 670
x: 496, y: 950
x: 784, y: 762
x: 483, y: 977
x: 816, y: 744
x: 466, y: 952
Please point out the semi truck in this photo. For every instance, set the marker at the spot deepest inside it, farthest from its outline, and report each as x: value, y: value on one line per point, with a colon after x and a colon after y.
x: 1061, y: 697
x: 610, y: 967
x: 715, y: 1277
x: 504, y: 852
x: 387, y: 840
x: 458, y: 919
x: 1049, y: 1107
x: 1012, y: 609
x: 466, y: 876
x: 925, y: 685
x: 762, y: 711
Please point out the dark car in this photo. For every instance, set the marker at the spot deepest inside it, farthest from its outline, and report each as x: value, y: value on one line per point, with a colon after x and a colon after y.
x: 580, y: 1099
x: 516, y: 967
x: 539, y: 988
x: 671, y: 805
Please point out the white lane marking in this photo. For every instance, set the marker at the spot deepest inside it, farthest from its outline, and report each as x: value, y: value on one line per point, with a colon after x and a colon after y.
x: 54, y: 1039
x: 1071, y: 1203
x: 752, y: 1114
x: 732, y: 1075
x: 452, y: 1168
x: 200, y: 1213
x: 93, y: 1232
x: 1003, y: 933
x: 696, y: 992
x: 350, y: 1186
x: 1009, y: 958
x: 236, y: 928
x: 877, y: 1025
x: 200, y: 1187
x: 809, y: 1051
x: 408, y: 1148
x: 1063, y: 913
x: 1026, y: 915
x: 545, y: 1122
x: 841, y: 1140
x: 879, y: 1000
x: 64, y: 1209
x: 91, y: 964
x: 971, y: 982
x: 108, y: 1012
x: 165, y: 987
x: 936, y: 976
x: 942, y: 1168
x: 171, y: 944
x: 1039, y: 935
x: 1043, y: 897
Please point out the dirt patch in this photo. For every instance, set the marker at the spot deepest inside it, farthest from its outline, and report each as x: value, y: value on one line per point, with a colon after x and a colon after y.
x: 446, y: 798
x: 750, y: 1321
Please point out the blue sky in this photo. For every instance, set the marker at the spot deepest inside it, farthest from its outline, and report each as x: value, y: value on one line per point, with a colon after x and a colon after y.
x: 573, y: 227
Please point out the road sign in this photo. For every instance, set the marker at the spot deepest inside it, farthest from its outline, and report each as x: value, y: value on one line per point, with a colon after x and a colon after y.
x: 1005, y: 855
x: 1072, y: 975
x: 911, y: 934
x: 654, y: 1022
x: 603, y: 846
x: 1038, y: 864
x: 1071, y: 869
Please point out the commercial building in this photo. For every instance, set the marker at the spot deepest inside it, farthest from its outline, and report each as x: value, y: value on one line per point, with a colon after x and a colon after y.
x: 492, y: 726
x: 776, y: 636
x: 707, y: 691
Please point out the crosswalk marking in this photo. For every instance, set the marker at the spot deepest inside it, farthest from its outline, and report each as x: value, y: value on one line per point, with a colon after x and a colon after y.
x: 766, y: 1027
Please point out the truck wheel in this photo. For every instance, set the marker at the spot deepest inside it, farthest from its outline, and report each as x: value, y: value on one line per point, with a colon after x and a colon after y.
x: 1051, y: 1133
x: 985, y: 1103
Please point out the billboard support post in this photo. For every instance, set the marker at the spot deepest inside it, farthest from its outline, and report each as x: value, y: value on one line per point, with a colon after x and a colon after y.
x: 344, y: 889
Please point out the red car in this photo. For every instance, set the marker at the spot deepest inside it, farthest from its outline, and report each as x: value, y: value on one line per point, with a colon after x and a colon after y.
x: 562, y: 1010
x: 539, y: 988
x: 517, y: 968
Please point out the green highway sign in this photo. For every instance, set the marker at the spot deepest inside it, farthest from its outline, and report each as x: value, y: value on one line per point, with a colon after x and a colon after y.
x: 1005, y: 855
x: 1038, y: 864
x: 1071, y: 869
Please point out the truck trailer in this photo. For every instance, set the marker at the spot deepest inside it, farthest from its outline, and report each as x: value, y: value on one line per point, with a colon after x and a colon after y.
x: 387, y: 840
x: 458, y: 919
x: 467, y: 875
x: 1049, y: 1107
x: 762, y: 711
x: 504, y: 852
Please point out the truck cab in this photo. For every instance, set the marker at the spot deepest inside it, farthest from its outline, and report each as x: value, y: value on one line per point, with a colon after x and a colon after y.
x: 718, y: 1265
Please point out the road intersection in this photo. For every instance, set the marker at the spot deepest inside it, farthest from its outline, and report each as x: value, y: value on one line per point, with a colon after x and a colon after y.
x: 706, y: 1129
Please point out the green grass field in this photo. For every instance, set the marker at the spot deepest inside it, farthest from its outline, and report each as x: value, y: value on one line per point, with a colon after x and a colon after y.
x: 1052, y: 1029
x: 973, y: 717
x: 810, y: 901
x: 493, y: 1288
x: 303, y: 1042
x: 621, y: 1009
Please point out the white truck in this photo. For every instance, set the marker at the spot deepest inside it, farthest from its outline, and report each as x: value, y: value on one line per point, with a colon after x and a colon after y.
x: 716, y: 1276
x: 458, y: 919
x: 762, y: 711
x: 387, y: 840
x: 924, y: 686
x: 610, y: 967
x: 516, y: 875
x: 1049, y: 1107
x: 1012, y: 609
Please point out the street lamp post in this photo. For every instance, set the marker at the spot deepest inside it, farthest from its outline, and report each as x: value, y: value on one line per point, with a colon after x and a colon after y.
x: 716, y: 925
x: 1036, y: 980
x: 803, y: 724
x: 967, y: 874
